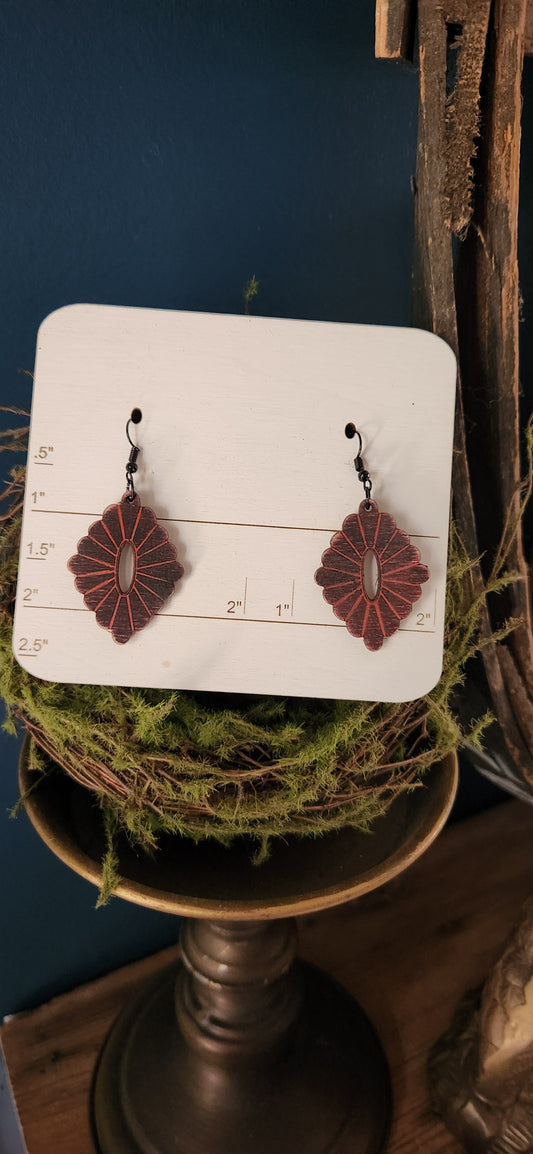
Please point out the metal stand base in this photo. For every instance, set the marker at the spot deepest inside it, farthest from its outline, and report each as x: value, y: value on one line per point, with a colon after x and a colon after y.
x: 267, y: 1058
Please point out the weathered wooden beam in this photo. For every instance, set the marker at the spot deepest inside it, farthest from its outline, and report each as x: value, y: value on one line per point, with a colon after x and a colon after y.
x: 395, y: 27
x: 528, y: 40
x: 443, y: 187
x: 465, y: 26
x: 453, y: 39
x: 489, y: 298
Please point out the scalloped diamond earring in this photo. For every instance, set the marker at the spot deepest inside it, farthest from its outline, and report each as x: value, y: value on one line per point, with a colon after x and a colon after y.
x: 126, y: 567
x: 370, y: 540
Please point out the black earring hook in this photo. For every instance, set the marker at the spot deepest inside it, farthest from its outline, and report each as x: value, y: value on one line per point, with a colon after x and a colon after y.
x: 358, y: 460
x: 136, y: 416
x: 131, y: 466
x: 362, y: 473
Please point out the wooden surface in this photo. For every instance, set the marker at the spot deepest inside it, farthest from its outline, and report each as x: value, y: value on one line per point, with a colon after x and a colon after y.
x: 528, y: 42
x: 488, y: 310
x: 395, y: 21
x: 466, y: 291
x: 434, y: 303
x: 407, y: 952
x: 395, y: 24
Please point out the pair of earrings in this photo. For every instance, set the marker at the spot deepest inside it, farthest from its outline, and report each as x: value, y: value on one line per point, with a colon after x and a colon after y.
x: 126, y: 605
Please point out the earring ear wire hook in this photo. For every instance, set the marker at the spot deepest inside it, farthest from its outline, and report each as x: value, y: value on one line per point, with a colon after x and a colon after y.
x: 132, y: 466
x: 362, y: 473
x: 136, y: 416
x: 357, y: 434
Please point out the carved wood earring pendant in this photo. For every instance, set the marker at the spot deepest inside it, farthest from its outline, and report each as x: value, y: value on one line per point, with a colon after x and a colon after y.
x: 371, y: 537
x: 125, y: 604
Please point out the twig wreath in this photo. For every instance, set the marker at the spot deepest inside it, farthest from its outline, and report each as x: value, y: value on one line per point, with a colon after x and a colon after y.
x: 203, y: 765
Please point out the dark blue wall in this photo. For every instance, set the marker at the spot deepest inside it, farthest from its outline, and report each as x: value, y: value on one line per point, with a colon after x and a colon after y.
x: 159, y: 153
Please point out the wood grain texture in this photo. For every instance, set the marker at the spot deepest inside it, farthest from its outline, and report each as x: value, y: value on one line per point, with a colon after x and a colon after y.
x: 458, y: 39
x: 407, y: 952
x: 51, y: 1054
x: 249, y: 549
x: 395, y: 23
x: 434, y: 292
x: 434, y: 305
x: 528, y: 41
x: 488, y: 305
x: 488, y: 298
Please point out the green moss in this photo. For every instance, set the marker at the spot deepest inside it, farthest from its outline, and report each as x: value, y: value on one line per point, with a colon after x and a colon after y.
x: 250, y: 292
x: 110, y: 874
x: 217, y: 765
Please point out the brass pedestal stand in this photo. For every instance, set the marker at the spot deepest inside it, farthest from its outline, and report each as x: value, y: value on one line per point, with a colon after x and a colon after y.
x: 261, y: 1058
x: 245, y: 1051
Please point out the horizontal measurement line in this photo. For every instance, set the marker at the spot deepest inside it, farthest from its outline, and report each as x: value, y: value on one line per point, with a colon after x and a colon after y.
x: 419, y: 630
x: 252, y: 620
x: 230, y: 524
x: 56, y: 608
x: 198, y: 616
x: 22, y: 653
x: 276, y: 621
x: 50, y: 463
x: 229, y: 617
x: 258, y: 525
x: 65, y: 513
x: 35, y: 558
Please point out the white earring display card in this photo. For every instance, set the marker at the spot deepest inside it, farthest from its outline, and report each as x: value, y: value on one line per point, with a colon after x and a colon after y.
x: 246, y: 464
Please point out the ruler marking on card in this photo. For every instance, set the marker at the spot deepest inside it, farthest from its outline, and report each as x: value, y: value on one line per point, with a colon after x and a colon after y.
x: 216, y: 617
x: 229, y: 524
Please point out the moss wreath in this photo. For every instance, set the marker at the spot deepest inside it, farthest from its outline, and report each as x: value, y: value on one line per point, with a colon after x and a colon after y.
x: 204, y: 765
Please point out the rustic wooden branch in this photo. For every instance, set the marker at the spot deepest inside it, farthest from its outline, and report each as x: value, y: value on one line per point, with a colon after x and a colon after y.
x: 456, y: 43
x: 489, y: 329
x: 488, y: 300
x: 528, y: 42
x: 466, y: 37
x: 395, y: 25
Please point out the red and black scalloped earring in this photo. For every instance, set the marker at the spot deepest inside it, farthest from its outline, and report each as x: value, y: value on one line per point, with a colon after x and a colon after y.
x: 370, y: 539
x: 126, y: 567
